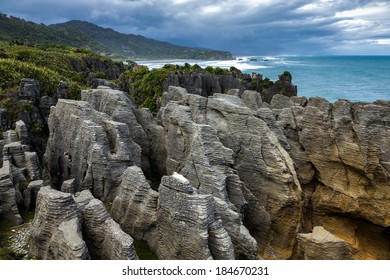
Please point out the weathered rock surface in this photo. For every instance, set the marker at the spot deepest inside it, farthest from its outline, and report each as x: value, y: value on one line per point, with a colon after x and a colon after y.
x: 244, y: 179
x: 29, y: 90
x: 18, y: 167
x: 135, y: 207
x: 235, y: 136
x: 206, y: 84
x: 21, y: 129
x: 56, y: 228
x: 189, y: 226
x: 68, y: 227
x: 341, y: 154
x: 322, y: 245
x: 68, y: 186
x: 195, y: 151
x: 104, y: 237
x: 90, y: 147
x: 122, y: 109
x: 31, y: 194
x: 8, y: 205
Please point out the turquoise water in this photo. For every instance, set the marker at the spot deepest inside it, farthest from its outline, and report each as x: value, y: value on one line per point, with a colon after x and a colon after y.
x: 357, y: 78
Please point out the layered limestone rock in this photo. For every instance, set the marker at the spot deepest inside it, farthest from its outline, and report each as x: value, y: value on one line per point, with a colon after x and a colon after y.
x: 120, y: 108
x: 21, y: 158
x: 8, y: 205
x: 195, y: 151
x: 255, y: 177
x: 31, y: 194
x: 90, y: 147
x: 104, y: 237
x: 135, y: 207
x: 341, y: 154
x: 264, y: 187
x: 189, y: 226
x: 19, y: 167
x: 178, y: 222
x: 21, y: 130
x: 68, y: 227
x: 322, y: 245
x: 346, y: 144
x: 56, y: 228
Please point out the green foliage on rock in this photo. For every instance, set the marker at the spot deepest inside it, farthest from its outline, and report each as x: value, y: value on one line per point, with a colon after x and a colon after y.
x: 267, y: 83
x: 50, y: 64
x: 146, y: 86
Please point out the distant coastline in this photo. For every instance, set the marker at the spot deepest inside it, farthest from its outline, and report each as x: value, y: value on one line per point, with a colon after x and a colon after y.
x: 359, y: 78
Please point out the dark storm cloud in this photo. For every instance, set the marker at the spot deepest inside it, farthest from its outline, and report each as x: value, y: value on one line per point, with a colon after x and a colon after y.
x: 246, y: 27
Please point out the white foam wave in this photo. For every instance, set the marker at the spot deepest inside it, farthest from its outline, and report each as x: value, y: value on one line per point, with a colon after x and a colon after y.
x: 240, y: 63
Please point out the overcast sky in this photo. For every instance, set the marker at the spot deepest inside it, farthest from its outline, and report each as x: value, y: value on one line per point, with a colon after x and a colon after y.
x: 269, y: 27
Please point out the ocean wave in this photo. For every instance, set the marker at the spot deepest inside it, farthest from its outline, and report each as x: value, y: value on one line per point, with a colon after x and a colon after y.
x: 242, y: 64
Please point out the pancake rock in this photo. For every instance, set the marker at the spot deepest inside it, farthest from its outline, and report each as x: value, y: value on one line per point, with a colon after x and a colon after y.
x: 342, y: 156
x: 68, y: 227
x: 120, y: 108
x: 270, y: 192
x: 56, y: 228
x: 90, y: 147
x: 135, y: 207
x: 322, y: 245
x: 31, y: 194
x: 188, y: 224
x: 195, y: 151
x: 104, y: 237
x: 8, y: 205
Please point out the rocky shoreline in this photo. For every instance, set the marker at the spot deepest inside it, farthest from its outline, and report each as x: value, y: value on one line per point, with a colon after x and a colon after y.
x: 241, y: 175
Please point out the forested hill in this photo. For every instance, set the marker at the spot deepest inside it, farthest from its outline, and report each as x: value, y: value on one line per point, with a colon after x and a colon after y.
x: 105, y: 41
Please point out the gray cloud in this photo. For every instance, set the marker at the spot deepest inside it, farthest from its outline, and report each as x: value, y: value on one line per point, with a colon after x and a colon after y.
x: 243, y: 27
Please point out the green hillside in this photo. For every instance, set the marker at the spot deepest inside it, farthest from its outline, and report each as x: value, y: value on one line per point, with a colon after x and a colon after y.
x: 49, y: 65
x: 104, y: 41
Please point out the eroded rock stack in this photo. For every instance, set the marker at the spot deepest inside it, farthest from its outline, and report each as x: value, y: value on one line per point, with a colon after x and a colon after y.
x: 56, y: 229
x: 20, y: 167
x: 189, y: 225
x: 104, y: 237
x: 341, y: 152
x: 241, y: 178
x: 90, y: 147
x: 62, y: 222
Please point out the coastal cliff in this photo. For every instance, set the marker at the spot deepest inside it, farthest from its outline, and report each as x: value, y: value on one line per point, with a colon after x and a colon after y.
x: 215, y: 176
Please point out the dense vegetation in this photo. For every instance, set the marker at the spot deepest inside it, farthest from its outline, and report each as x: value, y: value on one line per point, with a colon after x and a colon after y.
x: 105, y: 41
x: 49, y: 65
x: 146, y: 86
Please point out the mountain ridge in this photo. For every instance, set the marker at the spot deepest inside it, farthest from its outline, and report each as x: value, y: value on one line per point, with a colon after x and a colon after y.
x: 105, y: 41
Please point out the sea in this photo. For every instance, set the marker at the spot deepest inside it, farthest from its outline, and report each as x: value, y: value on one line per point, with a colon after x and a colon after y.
x: 356, y: 78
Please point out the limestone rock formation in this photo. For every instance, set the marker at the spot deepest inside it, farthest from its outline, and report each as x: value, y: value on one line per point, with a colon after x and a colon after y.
x: 322, y: 245
x: 341, y: 154
x: 244, y: 174
x: 206, y: 84
x: 189, y: 226
x: 195, y: 151
x: 120, y: 108
x: 68, y: 186
x: 8, y: 205
x: 31, y: 194
x: 56, y: 228
x: 68, y: 227
x: 104, y: 237
x: 90, y: 147
x: 206, y: 137
x: 135, y: 207
x: 29, y: 90
x: 21, y: 129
